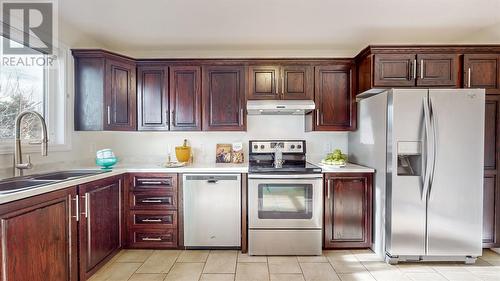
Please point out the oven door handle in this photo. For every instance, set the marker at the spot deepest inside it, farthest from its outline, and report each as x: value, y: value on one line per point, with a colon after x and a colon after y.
x: 285, y: 177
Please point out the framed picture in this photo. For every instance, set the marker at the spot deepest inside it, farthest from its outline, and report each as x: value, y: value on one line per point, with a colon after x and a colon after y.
x: 237, y: 153
x: 223, y: 153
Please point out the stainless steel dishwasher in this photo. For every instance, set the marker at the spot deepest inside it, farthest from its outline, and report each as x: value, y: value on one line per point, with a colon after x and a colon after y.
x: 212, y: 210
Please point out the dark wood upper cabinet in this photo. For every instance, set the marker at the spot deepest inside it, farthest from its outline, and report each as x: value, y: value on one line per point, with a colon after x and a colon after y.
x: 105, y: 91
x: 39, y: 238
x: 297, y: 82
x: 491, y: 193
x: 101, y: 221
x: 394, y: 70
x: 89, y: 92
x: 287, y: 81
x: 408, y: 66
x: 153, y: 112
x: 437, y: 70
x: 348, y: 210
x: 334, y: 98
x: 263, y: 82
x: 185, y: 98
x: 120, y: 95
x: 482, y: 71
x: 224, y: 98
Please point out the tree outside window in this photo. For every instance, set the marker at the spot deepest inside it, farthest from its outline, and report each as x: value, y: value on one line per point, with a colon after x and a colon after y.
x: 21, y: 88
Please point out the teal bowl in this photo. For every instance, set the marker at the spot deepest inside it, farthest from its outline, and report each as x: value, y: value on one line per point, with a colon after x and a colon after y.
x: 106, y: 163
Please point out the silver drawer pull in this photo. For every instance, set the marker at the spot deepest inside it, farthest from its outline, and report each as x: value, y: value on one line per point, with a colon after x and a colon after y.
x: 151, y: 220
x: 151, y: 182
x: 151, y: 239
x: 150, y: 201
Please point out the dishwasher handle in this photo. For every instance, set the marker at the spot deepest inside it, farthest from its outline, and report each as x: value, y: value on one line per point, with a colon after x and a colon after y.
x: 212, y: 178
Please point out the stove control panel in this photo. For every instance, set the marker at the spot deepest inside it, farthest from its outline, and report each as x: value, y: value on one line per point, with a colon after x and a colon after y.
x: 261, y: 147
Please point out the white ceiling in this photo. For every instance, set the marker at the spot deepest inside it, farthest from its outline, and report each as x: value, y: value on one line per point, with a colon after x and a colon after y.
x: 153, y: 27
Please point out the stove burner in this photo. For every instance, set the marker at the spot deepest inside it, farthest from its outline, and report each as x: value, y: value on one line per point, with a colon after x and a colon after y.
x: 293, y: 155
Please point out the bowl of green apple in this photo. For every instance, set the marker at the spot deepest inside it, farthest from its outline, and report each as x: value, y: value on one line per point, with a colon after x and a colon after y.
x: 336, y: 158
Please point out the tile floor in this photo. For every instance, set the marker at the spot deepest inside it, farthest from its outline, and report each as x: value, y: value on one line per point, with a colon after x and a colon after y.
x: 345, y: 265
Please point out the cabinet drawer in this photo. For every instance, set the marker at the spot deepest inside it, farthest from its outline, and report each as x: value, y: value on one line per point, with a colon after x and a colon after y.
x: 143, y: 200
x: 153, y: 219
x: 145, y: 182
x: 154, y: 238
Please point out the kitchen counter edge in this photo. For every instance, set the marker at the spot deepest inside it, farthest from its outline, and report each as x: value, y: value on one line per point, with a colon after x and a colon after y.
x: 10, y: 197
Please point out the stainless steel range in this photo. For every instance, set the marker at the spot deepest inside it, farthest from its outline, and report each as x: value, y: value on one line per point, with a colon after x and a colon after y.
x: 284, y: 200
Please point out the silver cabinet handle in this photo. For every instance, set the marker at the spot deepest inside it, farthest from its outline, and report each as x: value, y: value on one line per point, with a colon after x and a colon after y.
x: 317, y: 117
x: 415, y: 69
x: 87, y: 207
x: 151, y: 239
x: 109, y: 114
x: 328, y: 189
x: 151, y: 182
x: 241, y: 116
x: 150, y: 201
x: 283, y: 84
x: 421, y: 69
x: 151, y: 220
x: 276, y: 82
x: 468, y: 77
x: 77, y: 207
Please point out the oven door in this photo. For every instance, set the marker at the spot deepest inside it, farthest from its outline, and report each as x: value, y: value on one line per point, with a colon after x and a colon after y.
x: 285, y: 201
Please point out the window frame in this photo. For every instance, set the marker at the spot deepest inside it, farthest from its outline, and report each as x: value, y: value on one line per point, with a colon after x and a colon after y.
x: 57, y: 106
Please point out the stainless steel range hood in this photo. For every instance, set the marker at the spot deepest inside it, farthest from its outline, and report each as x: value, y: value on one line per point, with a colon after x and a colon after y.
x: 280, y: 107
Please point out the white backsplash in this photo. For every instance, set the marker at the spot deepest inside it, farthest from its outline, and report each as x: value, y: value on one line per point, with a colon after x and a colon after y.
x: 152, y: 147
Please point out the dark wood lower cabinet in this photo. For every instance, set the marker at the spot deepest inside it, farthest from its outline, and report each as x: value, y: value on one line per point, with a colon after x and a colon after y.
x: 348, y: 210
x: 39, y: 238
x: 151, y: 210
x: 100, y: 223
x: 491, y: 192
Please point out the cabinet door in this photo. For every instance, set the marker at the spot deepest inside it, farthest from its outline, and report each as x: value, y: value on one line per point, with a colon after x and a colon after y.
x: 100, y: 223
x: 394, y: 70
x: 120, y: 95
x: 348, y: 211
x: 491, y: 194
x: 437, y: 70
x: 335, y: 106
x: 152, y: 98
x: 263, y: 82
x: 185, y: 98
x: 38, y: 238
x: 482, y: 71
x: 224, y: 98
x: 89, y: 88
x: 297, y: 82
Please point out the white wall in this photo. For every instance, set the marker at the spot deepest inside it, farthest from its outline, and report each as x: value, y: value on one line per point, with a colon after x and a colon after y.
x: 152, y: 147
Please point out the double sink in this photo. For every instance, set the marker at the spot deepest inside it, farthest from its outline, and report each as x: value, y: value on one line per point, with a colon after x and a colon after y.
x: 17, y: 184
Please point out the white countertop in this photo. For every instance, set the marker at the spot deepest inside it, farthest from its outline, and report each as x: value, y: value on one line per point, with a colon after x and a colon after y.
x: 152, y: 168
x: 349, y: 168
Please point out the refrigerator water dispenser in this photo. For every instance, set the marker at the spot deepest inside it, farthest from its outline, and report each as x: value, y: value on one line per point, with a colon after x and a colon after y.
x: 409, y: 158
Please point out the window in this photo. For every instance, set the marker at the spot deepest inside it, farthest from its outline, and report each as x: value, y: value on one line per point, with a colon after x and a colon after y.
x: 34, y: 87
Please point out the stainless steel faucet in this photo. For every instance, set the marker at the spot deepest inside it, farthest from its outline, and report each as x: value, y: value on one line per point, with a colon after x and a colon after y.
x: 19, y: 166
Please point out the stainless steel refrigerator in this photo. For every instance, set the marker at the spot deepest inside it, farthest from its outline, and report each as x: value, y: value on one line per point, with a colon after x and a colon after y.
x: 427, y: 148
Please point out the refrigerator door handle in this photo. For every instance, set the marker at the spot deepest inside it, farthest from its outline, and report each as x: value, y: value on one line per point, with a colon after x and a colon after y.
x: 433, y: 147
x: 428, y: 147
